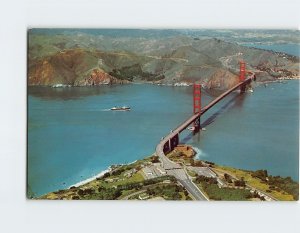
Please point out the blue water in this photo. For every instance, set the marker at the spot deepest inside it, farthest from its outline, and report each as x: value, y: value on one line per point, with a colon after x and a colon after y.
x: 292, y: 49
x: 72, y: 135
x: 258, y: 130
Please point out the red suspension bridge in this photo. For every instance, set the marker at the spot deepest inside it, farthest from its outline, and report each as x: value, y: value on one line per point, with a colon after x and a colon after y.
x: 168, y: 143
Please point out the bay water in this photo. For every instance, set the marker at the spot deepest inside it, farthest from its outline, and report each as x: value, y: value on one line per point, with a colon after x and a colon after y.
x: 72, y: 134
x: 289, y: 48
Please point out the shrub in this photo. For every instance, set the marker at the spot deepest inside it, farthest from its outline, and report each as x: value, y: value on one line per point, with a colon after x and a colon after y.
x: 240, y: 183
x: 209, y: 180
x: 107, y: 174
x: 227, y: 178
x: 286, y: 184
x: 198, y: 163
x: 261, y: 174
x: 211, y: 163
x: 185, y: 192
x: 229, y: 194
x: 80, y: 192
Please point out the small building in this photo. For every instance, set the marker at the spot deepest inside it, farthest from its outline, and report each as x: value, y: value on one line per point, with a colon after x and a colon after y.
x: 166, y: 182
x: 144, y: 196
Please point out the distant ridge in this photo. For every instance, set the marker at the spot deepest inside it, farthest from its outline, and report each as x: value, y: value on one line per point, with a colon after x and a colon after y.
x: 87, y: 57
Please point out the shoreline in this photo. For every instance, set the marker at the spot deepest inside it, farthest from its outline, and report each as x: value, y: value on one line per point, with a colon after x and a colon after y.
x: 99, y: 175
x: 85, y: 181
x: 79, y: 193
x: 177, y: 84
x: 199, y: 153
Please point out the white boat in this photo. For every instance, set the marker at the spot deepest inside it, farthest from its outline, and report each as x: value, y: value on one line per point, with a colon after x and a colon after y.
x: 124, y: 108
x: 192, y: 128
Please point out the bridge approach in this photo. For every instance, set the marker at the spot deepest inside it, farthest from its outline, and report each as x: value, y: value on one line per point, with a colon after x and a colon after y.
x: 170, y: 141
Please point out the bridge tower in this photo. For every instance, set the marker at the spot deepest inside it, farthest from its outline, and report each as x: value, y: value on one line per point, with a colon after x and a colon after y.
x: 242, y: 75
x: 197, y: 105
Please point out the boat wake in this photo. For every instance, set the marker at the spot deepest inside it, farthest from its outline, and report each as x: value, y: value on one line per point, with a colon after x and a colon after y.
x: 105, y: 110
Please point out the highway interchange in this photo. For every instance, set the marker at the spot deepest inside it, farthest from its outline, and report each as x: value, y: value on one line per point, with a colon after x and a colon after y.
x: 179, y: 173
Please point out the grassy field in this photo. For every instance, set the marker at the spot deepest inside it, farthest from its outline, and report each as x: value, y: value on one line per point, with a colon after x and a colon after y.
x: 166, y: 191
x: 254, y: 182
x: 137, y: 177
x: 225, y: 194
x: 191, y: 173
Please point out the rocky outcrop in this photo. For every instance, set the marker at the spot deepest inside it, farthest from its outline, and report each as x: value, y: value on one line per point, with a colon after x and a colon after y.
x: 98, y: 77
x: 222, y: 79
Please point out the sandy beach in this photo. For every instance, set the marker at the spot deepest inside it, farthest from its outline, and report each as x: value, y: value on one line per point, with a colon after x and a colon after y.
x: 91, y: 178
x: 97, y: 176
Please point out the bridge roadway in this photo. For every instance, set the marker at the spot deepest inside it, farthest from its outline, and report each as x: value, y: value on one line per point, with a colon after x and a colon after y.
x: 175, y: 169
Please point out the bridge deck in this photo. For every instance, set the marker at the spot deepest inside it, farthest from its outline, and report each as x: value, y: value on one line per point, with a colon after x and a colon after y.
x: 159, y: 148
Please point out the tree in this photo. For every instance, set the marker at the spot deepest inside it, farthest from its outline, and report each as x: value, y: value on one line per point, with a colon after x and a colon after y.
x: 80, y: 192
x: 198, y: 163
x: 155, y: 159
x: 192, y: 162
x: 261, y: 174
x: 185, y: 192
x: 227, y: 178
x: 117, y: 193
x: 107, y: 174
x: 75, y: 197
